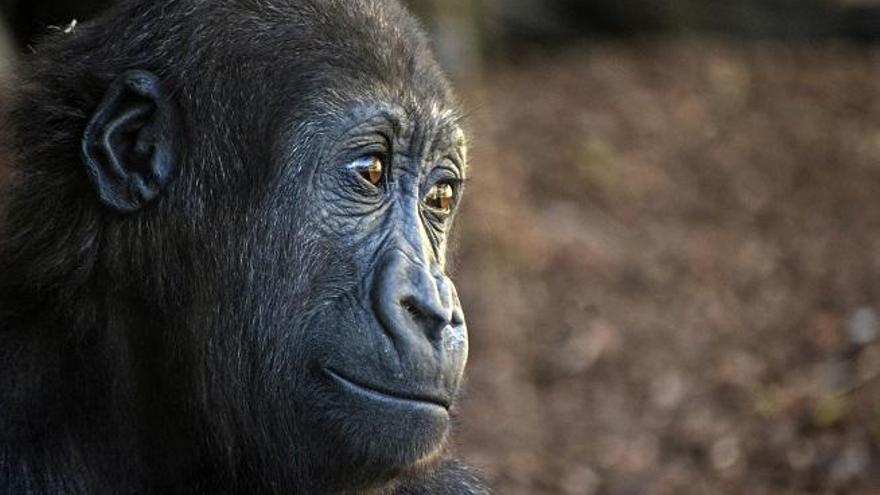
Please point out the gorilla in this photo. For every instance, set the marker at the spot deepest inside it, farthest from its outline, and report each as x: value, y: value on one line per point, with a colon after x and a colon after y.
x: 224, y: 248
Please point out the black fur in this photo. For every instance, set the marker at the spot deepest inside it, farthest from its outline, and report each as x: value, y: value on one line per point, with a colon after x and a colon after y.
x: 259, y: 319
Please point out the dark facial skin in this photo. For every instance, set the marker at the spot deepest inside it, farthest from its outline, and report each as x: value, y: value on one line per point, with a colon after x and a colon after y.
x: 224, y: 257
x: 403, y: 353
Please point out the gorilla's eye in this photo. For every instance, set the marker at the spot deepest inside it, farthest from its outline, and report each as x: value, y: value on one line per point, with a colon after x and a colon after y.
x: 370, y: 168
x: 441, y: 196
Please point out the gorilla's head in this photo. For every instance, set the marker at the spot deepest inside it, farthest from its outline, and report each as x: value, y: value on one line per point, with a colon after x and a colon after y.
x: 253, y: 198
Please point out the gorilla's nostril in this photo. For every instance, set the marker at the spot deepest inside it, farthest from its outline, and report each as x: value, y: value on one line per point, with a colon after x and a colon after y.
x: 457, y: 318
x: 411, y: 306
x: 427, y: 317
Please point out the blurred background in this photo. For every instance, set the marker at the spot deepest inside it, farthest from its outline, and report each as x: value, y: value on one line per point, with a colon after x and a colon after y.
x: 670, y: 255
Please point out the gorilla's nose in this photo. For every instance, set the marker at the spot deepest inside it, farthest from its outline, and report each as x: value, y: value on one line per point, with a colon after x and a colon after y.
x: 410, y: 299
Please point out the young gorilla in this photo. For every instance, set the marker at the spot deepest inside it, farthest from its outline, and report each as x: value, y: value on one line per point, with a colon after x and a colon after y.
x: 223, y: 255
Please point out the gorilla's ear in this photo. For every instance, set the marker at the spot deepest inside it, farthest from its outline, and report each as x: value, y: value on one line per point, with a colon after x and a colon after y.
x: 130, y: 145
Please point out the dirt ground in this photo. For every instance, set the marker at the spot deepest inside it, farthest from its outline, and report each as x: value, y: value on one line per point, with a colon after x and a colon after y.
x: 670, y: 260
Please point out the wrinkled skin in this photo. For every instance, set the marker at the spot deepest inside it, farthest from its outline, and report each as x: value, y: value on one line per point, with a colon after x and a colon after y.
x: 223, y: 266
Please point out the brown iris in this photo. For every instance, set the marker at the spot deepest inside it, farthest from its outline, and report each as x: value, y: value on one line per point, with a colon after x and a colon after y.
x: 373, y: 171
x: 441, y: 196
x: 370, y: 168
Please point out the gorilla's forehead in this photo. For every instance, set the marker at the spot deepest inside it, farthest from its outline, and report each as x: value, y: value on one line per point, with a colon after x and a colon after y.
x: 407, y: 120
x: 419, y: 97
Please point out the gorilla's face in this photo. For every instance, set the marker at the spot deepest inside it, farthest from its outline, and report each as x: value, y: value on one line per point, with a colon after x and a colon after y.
x: 387, y: 340
x: 339, y: 315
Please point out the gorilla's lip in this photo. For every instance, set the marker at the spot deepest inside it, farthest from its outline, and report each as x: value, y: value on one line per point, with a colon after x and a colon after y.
x: 384, y: 395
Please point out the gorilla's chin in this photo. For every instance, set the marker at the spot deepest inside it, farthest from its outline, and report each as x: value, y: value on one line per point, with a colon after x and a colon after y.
x: 396, y: 431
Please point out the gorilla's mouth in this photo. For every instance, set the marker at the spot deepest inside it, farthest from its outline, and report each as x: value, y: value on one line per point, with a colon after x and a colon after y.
x: 374, y: 393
